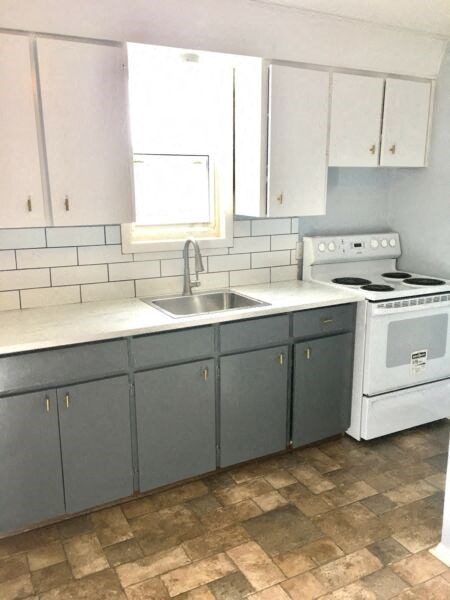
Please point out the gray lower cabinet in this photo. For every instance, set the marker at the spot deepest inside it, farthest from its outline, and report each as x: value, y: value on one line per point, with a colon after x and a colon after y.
x: 253, y: 404
x: 95, y: 442
x: 31, y: 484
x: 175, y: 413
x: 322, y: 388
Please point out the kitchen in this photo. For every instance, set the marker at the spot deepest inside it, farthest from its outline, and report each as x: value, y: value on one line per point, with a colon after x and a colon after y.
x: 223, y: 419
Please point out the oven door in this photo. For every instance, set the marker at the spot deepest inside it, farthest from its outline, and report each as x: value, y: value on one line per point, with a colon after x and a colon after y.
x: 407, y: 343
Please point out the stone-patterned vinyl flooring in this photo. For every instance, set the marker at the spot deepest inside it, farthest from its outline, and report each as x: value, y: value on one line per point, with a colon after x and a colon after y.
x: 340, y: 520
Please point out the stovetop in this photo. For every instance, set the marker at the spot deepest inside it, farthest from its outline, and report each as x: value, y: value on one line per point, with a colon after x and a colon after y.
x: 376, y: 285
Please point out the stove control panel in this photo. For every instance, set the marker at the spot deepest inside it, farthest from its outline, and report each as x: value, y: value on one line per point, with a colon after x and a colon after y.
x: 330, y: 249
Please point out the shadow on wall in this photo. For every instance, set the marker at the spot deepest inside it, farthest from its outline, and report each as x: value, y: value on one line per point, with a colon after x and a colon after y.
x: 419, y: 199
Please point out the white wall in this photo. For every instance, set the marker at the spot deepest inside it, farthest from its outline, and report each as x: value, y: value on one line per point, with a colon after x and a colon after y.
x: 234, y: 26
x: 357, y: 201
x: 419, y: 199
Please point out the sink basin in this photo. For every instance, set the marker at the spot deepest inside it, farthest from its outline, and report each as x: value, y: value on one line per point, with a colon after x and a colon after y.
x: 184, y: 306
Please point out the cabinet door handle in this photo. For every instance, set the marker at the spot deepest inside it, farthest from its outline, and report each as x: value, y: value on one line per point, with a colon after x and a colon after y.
x: 29, y: 204
x: 372, y: 149
x: 67, y: 203
x: 280, y: 198
x: 47, y: 404
x: 308, y: 353
x: 281, y: 358
x: 205, y: 373
x: 392, y: 149
x: 67, y: 400
x: 326, y: 321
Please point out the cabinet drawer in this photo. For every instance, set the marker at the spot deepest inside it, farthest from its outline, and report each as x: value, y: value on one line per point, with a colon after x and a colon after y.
x: 324, y: 320
x: 62, y: 365
x: 175, y: 346
x: 254, y: 333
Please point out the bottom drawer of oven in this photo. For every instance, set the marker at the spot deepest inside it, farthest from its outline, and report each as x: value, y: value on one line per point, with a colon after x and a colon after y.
x: 402, y: 409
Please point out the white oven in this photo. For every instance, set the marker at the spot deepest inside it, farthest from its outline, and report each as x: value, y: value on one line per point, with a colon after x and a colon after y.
x: 407, y: 343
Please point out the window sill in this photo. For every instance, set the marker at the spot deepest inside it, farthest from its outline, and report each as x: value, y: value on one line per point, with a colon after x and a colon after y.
x: 133, y: 246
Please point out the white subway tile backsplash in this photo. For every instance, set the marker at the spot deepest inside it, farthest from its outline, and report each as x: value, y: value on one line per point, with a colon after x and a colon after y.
x: 283, y: 273
x: 170, y: 268
x: 157, y: 255
x: 283, y: 242
x: 113, y: 234
x: 9, y: 300
x: 161, y: 286
x: 271, y: 259
x: 28, y: 278
x: 78, y: 275
x: 271, y: 226
x: 46, y: 257
x: 231, y: 262
x: 134, y: 270
x: 213, y: 281
x: 97, y: 255
x: 22, y: 238
x: 107, y: 291
x: 250, y: 244
x: 75, y: 236
x: 7, y: 260
x: 241, y: 228
x: 52, y: 296
x: 58, y: 265
x: 249, y: 276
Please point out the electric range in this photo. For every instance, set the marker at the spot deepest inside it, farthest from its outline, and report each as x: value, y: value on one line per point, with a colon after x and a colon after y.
x: 402, y: 344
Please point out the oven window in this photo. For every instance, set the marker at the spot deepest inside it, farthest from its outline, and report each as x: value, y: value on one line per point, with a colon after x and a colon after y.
x: 418, y: 334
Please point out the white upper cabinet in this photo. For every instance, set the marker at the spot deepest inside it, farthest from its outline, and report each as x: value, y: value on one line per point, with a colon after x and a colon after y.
x: 21, y: 198
x: 356, y: 110
x: 298, y: 139
x: 405, y: 123
x: 84, y: 103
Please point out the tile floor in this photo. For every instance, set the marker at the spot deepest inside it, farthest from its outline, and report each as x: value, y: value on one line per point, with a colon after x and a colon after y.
x: 342, y: 520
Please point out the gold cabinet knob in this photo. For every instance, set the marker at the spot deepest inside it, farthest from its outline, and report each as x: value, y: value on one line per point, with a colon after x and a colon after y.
x: 29, y: 204
x: 372, y: 149
x: 67, y: 400
x: 392, y: 149
x: 67, y: 203
x: 281, y: 358
x: 47, y: 404
x: 280, y: 198
x: 308, y: 353
x: 205, y: 374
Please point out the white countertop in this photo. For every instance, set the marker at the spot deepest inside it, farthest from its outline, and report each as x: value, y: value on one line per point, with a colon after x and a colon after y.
x: 49, y: 327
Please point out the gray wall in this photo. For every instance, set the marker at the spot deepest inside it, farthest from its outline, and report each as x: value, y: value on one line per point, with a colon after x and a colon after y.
x: 357, y: 202
x: 419, y: 199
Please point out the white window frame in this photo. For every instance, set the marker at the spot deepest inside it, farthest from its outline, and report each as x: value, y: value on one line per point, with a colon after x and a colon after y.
x: 138, y: 238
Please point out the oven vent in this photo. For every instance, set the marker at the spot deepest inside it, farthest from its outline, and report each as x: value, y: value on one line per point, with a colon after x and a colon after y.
x: 415, y: 301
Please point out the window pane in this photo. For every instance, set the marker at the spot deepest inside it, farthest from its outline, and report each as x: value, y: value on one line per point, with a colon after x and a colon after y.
x: 172, y: 189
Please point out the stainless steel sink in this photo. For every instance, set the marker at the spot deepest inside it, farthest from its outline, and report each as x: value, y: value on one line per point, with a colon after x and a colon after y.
x: 184, y: 306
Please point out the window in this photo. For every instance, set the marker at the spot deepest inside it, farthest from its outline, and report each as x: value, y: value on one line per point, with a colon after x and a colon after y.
x: 181, y: 115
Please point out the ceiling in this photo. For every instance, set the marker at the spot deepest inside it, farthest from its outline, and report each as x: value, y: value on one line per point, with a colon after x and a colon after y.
x: 425, y: 16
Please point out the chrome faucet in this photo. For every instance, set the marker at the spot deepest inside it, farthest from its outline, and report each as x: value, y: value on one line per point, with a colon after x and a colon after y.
x: 188, y: 284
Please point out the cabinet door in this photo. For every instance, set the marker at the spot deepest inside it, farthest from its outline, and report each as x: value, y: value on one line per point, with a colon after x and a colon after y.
x: 84, y: 105
x: 175, y: 412
x: 322, y: 388
x: 355, y: 128
x: 30, y: 466
x: 95, y: 442
x: 253, y: 404
x: 21, y: 202
x: 405, y: 123
x: 298, y: 137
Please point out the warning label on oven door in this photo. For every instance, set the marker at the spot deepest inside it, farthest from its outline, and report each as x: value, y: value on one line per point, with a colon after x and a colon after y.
x: 419, y: 360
